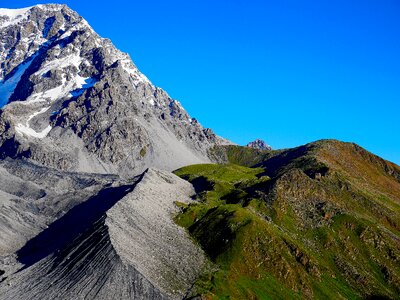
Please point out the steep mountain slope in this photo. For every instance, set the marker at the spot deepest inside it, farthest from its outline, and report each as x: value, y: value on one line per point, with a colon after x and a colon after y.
x: 117, y: 242
x: 72, y: 101
x: 83, y: 217
x: 33, y: 196
x: 317, y: 221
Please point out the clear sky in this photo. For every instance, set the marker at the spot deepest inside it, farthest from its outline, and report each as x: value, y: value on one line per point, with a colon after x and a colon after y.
x: 289, y: 72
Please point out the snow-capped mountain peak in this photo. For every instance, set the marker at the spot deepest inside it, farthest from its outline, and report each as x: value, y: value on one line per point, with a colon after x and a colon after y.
x: 12, y: 16
x: 59, y: 77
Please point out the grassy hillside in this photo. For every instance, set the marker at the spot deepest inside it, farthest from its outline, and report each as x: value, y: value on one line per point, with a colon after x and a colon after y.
x: 319, y: 221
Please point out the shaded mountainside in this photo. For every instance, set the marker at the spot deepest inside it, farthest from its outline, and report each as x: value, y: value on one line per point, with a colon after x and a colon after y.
x: 317, y: 221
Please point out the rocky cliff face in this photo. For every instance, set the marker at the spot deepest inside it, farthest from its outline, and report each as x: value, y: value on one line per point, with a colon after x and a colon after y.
x: 72, y: 101
x: 81, y: 215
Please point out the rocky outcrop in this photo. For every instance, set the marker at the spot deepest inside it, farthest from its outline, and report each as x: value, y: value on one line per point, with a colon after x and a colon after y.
x: 72, y: 101
x: 80, y: 217
x: 259, y: 144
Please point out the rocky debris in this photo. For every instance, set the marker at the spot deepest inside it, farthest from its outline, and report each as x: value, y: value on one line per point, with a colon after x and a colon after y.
x: 33, y: 196
x: 145, y: 236
x: 87, y: 268
x: 259, y: 144
x: 311, y: 203
x: 80, y: 217
x: 88, y: 236
x: 59, y: 79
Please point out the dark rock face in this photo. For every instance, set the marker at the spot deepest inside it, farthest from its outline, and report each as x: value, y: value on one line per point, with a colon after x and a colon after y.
x: 259, y: 144
x: 62, y: 83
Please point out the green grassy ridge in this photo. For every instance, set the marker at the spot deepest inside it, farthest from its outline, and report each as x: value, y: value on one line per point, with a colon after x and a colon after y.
x: 254, y: 244
x: 230, y: 173
x: 240, y: 155
x: 321, y: 154
x: 367, y: 177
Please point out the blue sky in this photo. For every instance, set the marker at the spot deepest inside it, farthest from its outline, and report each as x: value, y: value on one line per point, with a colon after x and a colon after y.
x: 289, y: 72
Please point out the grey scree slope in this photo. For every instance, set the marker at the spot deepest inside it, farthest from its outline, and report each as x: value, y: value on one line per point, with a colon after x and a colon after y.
x: 81, y: 215
x: 117, y: 241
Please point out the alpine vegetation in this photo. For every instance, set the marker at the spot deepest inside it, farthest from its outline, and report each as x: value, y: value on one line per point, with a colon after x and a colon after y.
x: 110, y: 190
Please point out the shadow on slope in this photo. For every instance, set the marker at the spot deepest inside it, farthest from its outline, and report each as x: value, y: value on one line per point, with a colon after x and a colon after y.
x: 72, y: 224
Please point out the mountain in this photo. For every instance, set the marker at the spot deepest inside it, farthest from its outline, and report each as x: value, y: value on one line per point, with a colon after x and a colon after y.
x: 89, y: 207
x: 92, y: 236
x: 259, y: 144
x: 72, y: 101
x: 84, y: 210
x: 320, y: 221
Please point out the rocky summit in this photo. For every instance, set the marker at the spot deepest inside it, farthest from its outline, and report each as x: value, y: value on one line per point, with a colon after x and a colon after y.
x: 72, y: 101
x: 259, y: 144
x: 81, y: 131
x: 110, y: 190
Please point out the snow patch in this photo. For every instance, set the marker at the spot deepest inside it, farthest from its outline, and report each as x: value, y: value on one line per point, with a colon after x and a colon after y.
x: 24, y: 130
x: 14, y: 13
x: 72, y: 88
x: 84, y: 83
x: 49, y: 95
x: 28, y: 131
x: 82, y: 24
x: 50, y: 7
x: 73, y: 59
x: 151, y: 101
x: 74, y: 28
x: 128, y: 66
x: 14, y: 16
